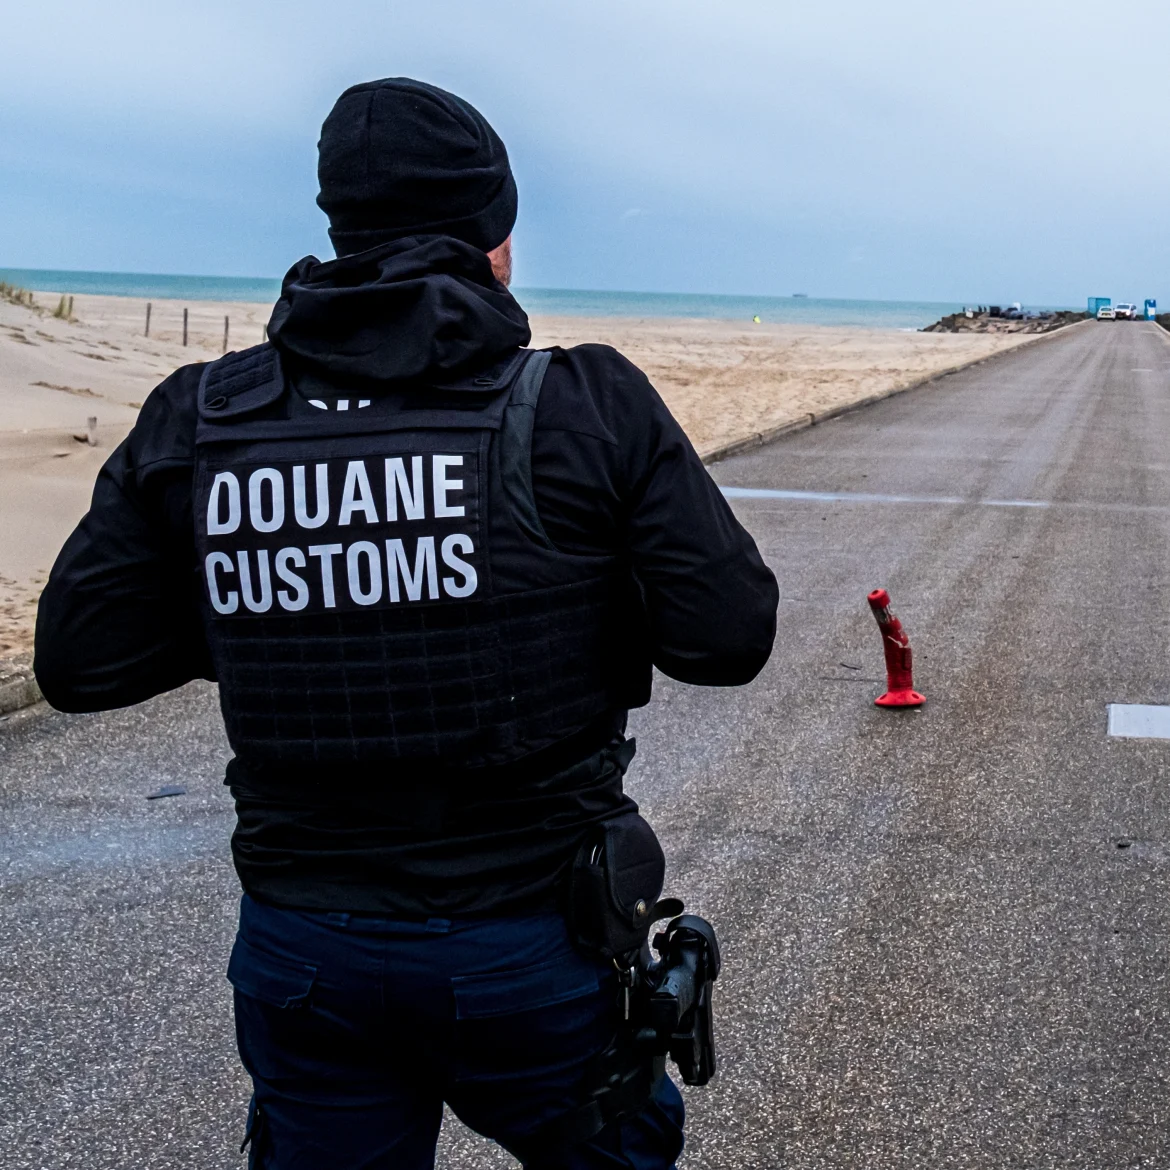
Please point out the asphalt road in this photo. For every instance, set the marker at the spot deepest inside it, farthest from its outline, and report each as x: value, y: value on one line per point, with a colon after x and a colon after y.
x: 946, y: 933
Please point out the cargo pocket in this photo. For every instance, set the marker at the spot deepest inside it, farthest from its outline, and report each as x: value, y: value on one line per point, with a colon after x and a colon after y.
x: 542, y: 1017
x: 275, y: 1023
x: 272, y: 979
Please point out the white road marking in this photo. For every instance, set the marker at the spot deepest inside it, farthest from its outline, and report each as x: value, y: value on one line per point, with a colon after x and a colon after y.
x: 742, y: 493
x: 1139, y: 721
x: 738, y: 493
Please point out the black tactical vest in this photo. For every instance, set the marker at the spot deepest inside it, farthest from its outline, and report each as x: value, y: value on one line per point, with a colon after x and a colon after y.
x: 378, y: 585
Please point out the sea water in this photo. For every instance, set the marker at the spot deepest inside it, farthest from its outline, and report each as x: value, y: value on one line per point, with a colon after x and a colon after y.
x: 145, y: 285
x: 793, y: 310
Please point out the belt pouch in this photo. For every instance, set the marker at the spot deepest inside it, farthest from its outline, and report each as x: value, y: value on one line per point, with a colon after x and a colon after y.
x: 614, y: 885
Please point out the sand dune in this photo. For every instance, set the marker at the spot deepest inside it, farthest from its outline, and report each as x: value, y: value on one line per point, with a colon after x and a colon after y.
x: 723, y: 380
x: 54, y: 375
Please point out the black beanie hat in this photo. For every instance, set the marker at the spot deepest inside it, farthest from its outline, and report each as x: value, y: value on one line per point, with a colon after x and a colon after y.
x: 398, y: 157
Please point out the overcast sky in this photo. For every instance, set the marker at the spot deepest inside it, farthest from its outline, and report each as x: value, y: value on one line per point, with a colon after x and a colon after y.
x: 974, y: 151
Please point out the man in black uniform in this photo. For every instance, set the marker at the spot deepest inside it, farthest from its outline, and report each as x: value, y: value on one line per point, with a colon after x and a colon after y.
x: 430, y: 571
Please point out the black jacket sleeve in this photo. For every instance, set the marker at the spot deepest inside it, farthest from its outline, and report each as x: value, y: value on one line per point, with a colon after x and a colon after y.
x: 610, y: 463
x: 118, y: 620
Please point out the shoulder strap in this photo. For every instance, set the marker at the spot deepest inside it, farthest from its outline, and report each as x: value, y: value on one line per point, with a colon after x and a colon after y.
x: 240, y: 383
x: 516, y: 445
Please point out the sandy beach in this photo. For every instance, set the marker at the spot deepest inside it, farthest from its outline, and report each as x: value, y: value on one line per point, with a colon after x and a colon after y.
x: 723, y: 380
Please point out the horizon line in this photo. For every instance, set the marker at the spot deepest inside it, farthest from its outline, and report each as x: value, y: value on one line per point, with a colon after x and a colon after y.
x: 95, y: 272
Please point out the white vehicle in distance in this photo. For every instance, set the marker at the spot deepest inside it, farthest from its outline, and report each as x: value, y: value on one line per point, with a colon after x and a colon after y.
x: 1105, y: 313
x: 1123, y: 311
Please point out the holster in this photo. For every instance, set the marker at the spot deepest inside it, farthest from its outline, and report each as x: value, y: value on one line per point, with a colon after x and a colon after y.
x: 612, y: 898
x: 614, y: 886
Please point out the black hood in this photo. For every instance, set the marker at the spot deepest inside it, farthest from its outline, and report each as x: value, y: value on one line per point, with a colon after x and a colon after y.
x: 420, y: 309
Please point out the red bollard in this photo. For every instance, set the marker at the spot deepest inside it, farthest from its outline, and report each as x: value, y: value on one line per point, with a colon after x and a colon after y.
x: 899, y: 666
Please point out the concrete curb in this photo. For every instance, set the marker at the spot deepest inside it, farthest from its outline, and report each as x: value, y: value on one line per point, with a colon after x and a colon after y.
x: 18, y: 687
x: 763, y: 438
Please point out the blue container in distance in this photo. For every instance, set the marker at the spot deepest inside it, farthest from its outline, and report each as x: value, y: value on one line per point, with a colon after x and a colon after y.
x: 1096, y: 303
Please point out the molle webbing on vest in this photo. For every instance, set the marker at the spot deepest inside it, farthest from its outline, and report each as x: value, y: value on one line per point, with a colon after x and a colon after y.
x: 481, y: 684
x: 240, y: 383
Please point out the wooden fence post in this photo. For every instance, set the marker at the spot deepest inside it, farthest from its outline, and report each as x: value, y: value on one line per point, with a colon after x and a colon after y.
x: 225, y: 334
x: 184, y: 326
x: 147, y: 333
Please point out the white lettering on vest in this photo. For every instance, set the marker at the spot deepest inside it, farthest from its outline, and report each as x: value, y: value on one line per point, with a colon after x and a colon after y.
x: 281, y: 564
x: 256, y: 482
x: 424, y: 560
x: 215, y: 526
x: 459, y: 542
x: 263, y: 603
x: 231, y: 602
x: 443, y: 485
x: 326, y: 552
x: 300, y: 503
x: 356, y: 496
x: 373, y: 567
x: 413, y: 504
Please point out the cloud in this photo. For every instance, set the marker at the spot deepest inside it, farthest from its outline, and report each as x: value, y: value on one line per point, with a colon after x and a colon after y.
x: 769, y: 138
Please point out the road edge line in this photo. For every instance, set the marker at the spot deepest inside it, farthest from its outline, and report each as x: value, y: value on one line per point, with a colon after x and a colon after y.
x: 1160, y: 328
x: 763, y: 438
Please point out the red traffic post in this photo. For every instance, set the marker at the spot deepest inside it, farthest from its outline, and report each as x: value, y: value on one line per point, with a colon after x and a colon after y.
x: 900, y: 690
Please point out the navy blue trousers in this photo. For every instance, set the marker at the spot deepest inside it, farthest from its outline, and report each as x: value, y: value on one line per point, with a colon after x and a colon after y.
x: 356, y: 1029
